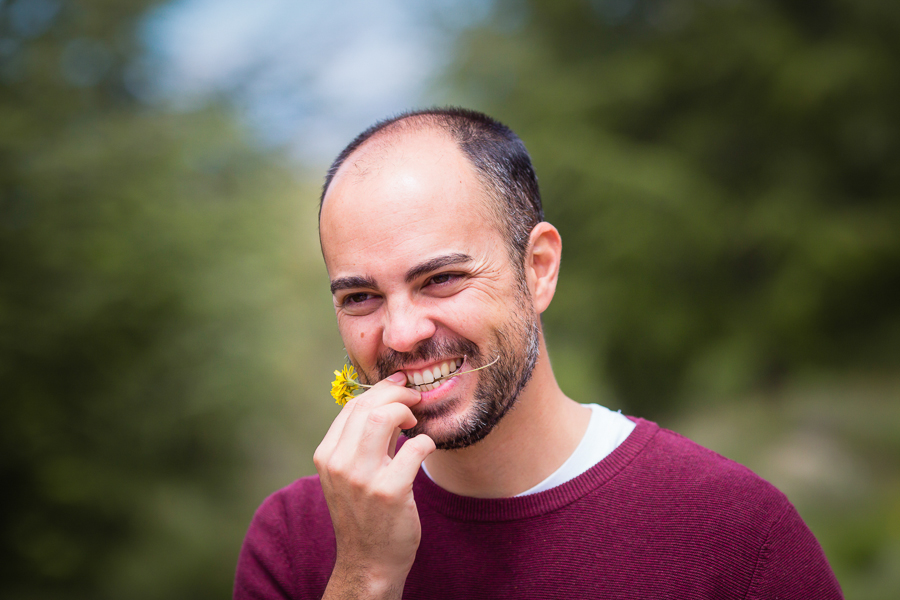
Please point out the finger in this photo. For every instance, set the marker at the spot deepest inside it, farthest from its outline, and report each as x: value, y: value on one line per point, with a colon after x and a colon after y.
x: 382, y: 394
x: 392, y: 445
x: 368, y: 436
x: 328, y: 443
x: 396, y: 381
x: 409, y: 458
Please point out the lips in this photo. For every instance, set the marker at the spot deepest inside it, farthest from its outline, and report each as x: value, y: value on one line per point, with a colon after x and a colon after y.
x: 431, y: 378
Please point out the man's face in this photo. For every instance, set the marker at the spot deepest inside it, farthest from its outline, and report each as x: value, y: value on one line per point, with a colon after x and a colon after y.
x: 422, y: 283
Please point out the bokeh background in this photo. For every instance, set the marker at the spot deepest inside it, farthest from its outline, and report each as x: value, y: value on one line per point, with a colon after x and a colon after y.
x: 725, y: 175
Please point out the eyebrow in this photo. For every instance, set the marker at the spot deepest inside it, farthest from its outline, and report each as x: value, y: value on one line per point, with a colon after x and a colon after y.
x: 346, y: 283
x: 436, y: 263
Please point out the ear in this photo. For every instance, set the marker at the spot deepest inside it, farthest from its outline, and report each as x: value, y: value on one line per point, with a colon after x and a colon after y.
x: 542, y: 264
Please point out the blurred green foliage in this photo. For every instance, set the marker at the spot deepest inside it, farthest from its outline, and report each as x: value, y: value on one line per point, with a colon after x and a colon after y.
x: 724, y: 175
x: 147, y: 277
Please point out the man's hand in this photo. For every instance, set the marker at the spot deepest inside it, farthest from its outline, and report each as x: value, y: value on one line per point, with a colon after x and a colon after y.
x: 369, y: 491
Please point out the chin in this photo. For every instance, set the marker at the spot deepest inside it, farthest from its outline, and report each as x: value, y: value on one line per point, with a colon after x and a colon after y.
x: 441, y: 422
x: 453, y: 431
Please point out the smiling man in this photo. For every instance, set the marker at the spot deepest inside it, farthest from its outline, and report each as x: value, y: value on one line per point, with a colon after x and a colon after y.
x: 440, y: 265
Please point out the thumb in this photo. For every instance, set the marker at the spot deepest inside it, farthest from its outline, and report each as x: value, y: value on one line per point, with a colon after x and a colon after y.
x: 410, y: 456
x: 399, y: 378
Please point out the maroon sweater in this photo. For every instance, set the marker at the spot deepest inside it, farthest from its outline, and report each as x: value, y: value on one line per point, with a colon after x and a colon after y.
x: 660, y: 517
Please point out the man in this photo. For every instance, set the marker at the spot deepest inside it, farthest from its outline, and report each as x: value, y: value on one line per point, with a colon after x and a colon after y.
x: 440, y: 265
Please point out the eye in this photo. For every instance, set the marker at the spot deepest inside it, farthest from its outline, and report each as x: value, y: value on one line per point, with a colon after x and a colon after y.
x: 443, y: 280
x: 358, y: 304
x: 356, y: 299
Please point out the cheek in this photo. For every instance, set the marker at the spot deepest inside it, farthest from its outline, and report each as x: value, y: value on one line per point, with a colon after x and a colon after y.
x: 469, y: 316
x: 455, y: 312
x: 359, y: 339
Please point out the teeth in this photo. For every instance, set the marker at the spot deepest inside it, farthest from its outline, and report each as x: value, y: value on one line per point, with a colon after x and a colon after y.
x: 426, y: 379
x: 431, y: 386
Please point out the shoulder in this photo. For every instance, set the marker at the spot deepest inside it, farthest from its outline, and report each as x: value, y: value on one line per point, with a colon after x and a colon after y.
x: 297, y: 508
x: 674, y: 482
x: 680, y: 464
x: 290, y: 533
x: 743, y: 525
x: 303, y: 491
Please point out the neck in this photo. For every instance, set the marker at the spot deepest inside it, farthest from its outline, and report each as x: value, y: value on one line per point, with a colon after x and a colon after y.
x: 534, y: 438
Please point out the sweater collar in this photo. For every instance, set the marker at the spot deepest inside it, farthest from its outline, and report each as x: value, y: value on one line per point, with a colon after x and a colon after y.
x: 430, y: 496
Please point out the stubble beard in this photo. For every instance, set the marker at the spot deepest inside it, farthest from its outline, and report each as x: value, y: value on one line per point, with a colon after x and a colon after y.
x: 515, y: 344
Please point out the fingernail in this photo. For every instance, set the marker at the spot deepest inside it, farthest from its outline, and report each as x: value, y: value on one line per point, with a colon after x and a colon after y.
x: 398, y: 377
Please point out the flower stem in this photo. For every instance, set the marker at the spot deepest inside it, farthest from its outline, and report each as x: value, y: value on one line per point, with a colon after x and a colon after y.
x: 450, y: 376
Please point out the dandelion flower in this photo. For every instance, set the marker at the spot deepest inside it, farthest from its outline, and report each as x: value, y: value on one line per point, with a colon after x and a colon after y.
x: 344, y: 385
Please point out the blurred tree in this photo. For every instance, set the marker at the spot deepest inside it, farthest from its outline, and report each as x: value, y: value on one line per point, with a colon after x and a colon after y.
x: 725, y: 178
x: 132, y: 284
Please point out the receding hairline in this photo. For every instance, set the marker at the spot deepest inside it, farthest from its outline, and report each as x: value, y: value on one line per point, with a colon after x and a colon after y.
x: 375, y: 149
x: 380, y: 143
x: 388, y: 137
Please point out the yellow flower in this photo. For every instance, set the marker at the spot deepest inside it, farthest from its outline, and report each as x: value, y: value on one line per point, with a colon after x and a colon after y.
x: 344, y: 385
x: 345, y: 382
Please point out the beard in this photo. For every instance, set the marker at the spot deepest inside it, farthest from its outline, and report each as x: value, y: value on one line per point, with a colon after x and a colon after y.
x: 516, y: 345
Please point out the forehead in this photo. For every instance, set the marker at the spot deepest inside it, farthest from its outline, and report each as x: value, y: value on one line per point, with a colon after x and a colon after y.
x: 403, y: 199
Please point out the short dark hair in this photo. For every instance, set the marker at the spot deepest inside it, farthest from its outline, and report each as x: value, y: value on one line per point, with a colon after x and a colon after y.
x: 500, y: 159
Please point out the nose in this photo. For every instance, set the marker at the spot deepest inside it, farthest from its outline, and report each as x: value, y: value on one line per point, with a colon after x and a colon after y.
x: 405, y: 325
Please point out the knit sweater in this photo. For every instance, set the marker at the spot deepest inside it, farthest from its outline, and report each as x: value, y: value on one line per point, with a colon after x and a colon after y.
x: 660, y: 517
